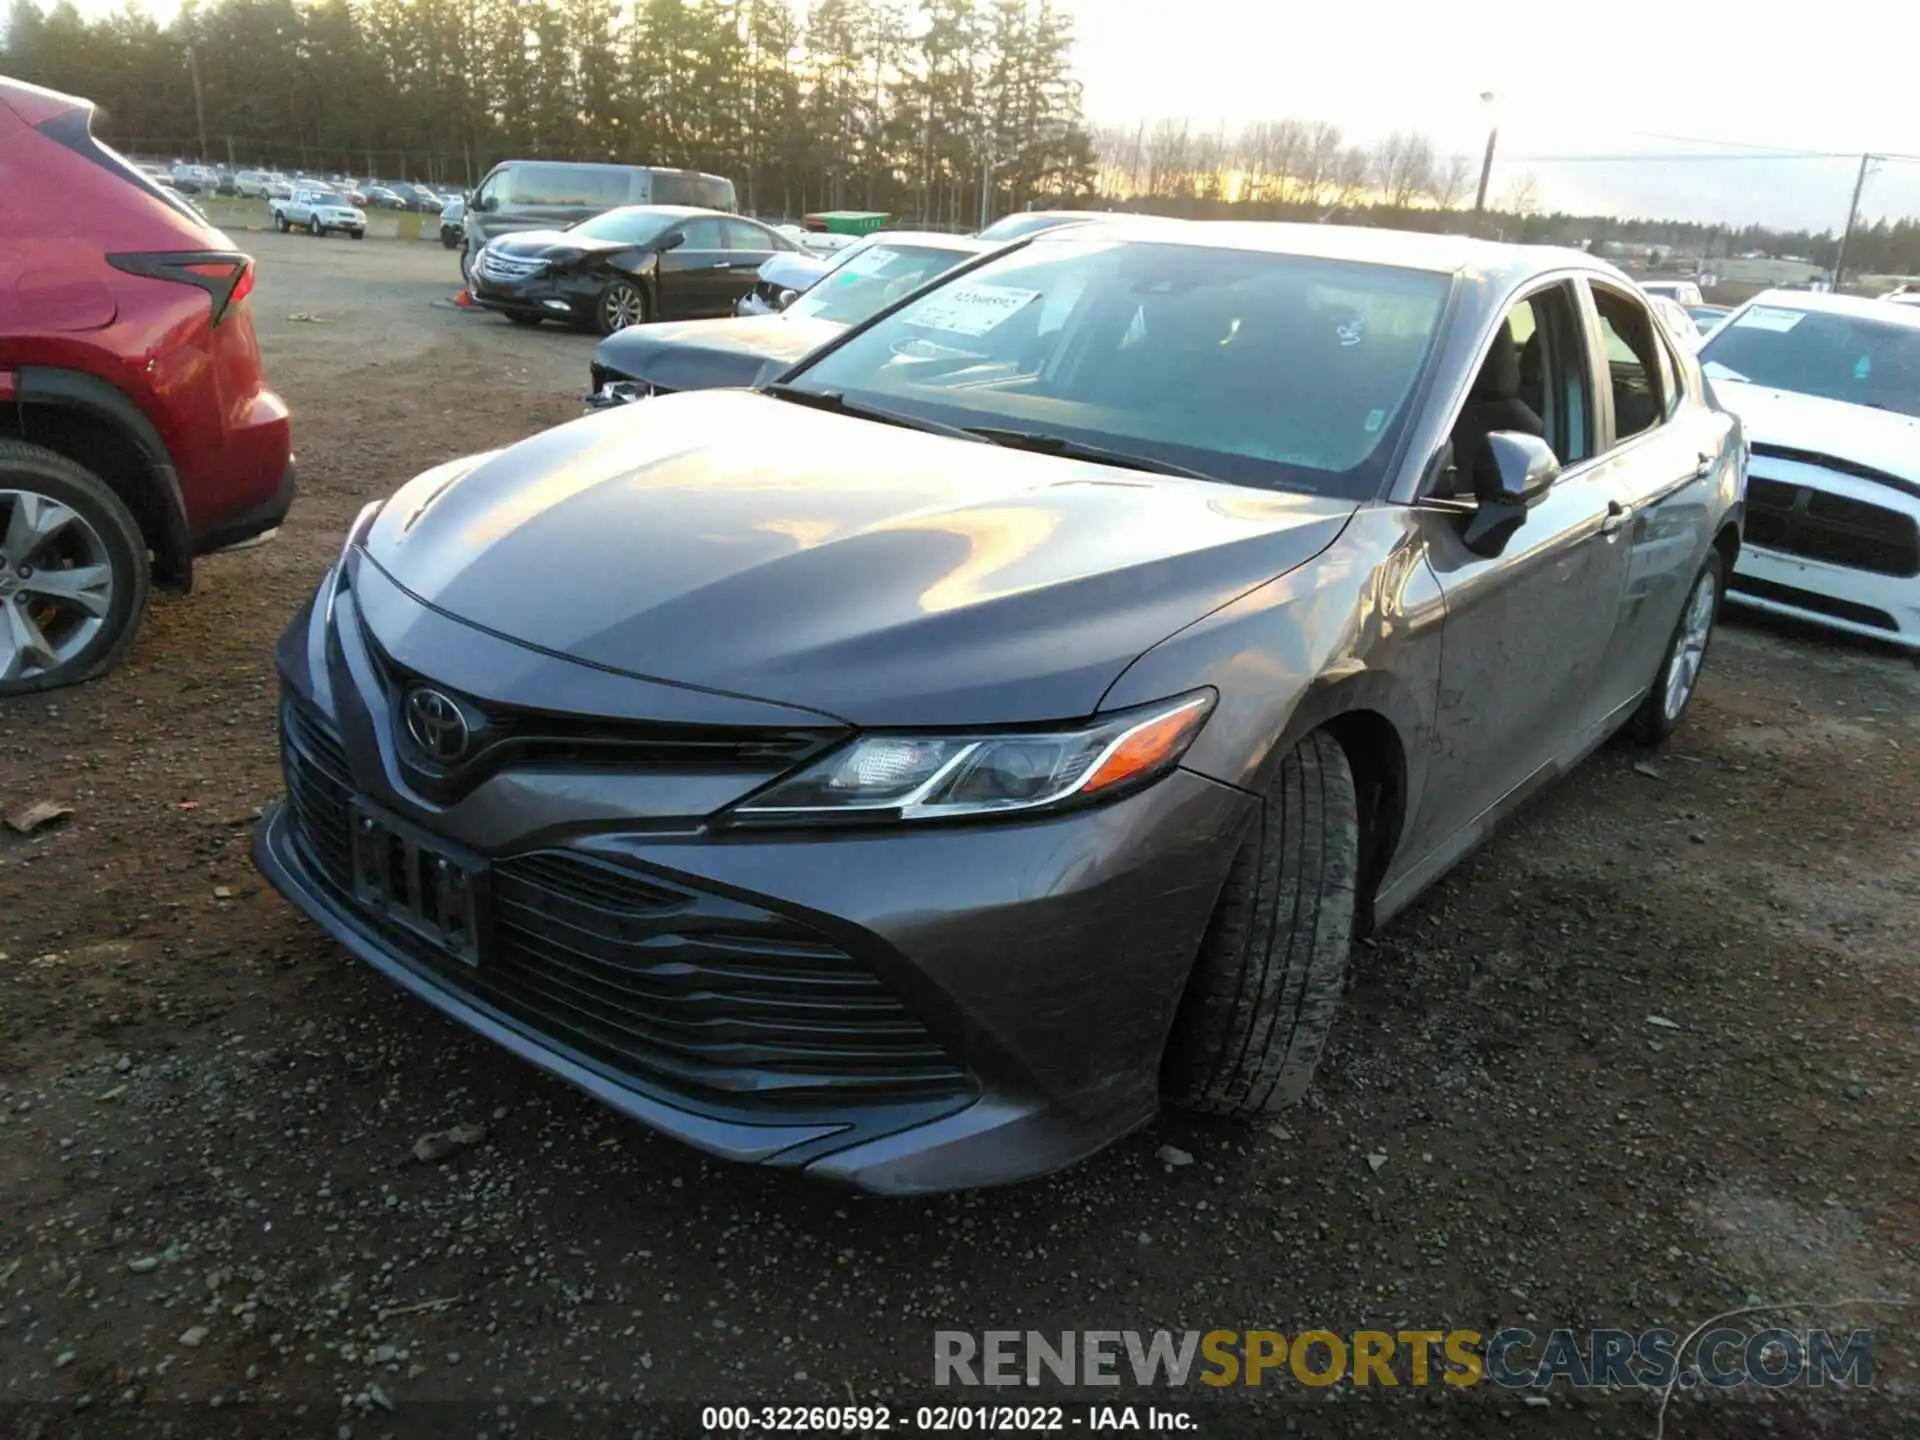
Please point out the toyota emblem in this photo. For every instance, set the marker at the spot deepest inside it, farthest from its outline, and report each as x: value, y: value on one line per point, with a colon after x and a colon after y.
x: 436, y: 724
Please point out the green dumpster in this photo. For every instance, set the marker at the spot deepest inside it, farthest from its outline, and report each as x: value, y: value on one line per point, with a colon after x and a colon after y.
x: 846, y: 222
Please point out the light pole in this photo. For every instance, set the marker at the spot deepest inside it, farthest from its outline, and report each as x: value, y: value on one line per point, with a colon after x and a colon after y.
x: 1486, y: 162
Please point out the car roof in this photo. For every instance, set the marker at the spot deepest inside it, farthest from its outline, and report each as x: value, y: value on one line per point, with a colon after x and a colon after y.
x: 1411, y: 250
x: 933, y: 240
x: 1823, y: 303
x: 684, y: 210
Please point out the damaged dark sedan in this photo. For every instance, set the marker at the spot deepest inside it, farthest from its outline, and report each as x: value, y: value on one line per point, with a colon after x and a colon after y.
x: 918, y: 770
x: 709, y: 354
x: 625, y: 267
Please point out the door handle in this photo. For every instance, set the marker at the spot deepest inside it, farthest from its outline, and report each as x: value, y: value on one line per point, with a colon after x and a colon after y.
x: 1617, y: 517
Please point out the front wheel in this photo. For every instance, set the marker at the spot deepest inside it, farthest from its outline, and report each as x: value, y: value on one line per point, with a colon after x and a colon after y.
x: 621, y: 304
x: 1267, y: 981
x: 316, y: 229
x: 73, y: 571
x: 358, y: 234
x: 280, y: 222
x: 449, y: 240
x: 1672, y: 691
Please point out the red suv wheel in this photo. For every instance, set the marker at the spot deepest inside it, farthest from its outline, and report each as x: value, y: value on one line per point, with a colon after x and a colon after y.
x: 133, y: 411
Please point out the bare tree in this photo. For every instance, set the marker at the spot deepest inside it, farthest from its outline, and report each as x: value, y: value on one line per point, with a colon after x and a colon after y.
x: 1451, y: 178
x: 1523, y: 196
x: 1401, y: 168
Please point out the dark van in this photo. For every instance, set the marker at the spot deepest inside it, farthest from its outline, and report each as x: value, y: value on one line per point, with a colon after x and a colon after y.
x: 552, y: 194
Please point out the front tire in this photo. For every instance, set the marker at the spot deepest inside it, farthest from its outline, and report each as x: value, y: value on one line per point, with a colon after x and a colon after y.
x: 358, y: 234
x: 74, y: 582
x: 1268, y: 979
x: 449, y: 240
x: 622, y: 304
x: 280, y: 223
x: 1678, y: 679
x: 316, y: 229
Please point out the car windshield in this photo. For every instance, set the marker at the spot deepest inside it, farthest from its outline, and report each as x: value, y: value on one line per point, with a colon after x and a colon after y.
x: 1812, y: 352
x: 871, y: 279
x: 1262, y: 369
x: 628, y: 227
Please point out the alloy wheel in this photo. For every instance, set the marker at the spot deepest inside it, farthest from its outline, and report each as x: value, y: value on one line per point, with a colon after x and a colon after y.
x: 56, y: 584
x: 1690, y: 646
x: 622, y: 306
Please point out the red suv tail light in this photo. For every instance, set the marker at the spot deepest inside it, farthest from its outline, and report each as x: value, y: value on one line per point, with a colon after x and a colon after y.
x: 225, y: 276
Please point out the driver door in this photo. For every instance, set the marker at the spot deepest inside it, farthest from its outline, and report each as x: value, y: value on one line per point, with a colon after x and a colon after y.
x: 1526, y: 631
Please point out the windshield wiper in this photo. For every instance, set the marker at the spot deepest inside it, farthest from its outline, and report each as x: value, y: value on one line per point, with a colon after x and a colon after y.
x: 1045, y: 444
x: 837, y: 402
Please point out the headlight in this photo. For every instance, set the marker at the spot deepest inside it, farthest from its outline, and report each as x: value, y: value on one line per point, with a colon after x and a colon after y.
x: 937, y: 777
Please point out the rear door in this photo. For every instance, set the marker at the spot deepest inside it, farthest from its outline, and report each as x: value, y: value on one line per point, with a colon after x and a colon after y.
x: 749, y: 246
x: 695, y: 276
x: 1663, y: 450
x: 1526, y: 631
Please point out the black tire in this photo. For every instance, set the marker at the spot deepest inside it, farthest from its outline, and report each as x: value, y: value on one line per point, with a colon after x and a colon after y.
x: 316, y: 229
x: 43, y: 472
x: 1272, y: 965
x: 280, y: 222
x: 1653, y: 723
x: 358, y: 234
x: 605, y: 312
x: 449, y: 240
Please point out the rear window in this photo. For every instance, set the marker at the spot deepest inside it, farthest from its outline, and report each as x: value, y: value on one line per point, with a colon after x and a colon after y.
x: 568, y: 185
x: 74, y: 130
x: 679, y: 187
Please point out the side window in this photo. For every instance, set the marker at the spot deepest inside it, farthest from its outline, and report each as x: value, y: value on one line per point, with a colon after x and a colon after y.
x: 1534, y: 381
x: 490, y: 190
x: 1670, y: 384
x: 742, y: 236
x: 1633, y: 356
x: 703, y: 234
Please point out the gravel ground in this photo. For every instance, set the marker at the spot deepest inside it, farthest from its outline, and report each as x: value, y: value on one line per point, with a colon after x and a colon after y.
x: 212, y: 1220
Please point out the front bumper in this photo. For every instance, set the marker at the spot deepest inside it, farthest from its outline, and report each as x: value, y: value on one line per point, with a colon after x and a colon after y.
x: 552, y: 297
x: 1040, y: 962
x: 1838, y: 597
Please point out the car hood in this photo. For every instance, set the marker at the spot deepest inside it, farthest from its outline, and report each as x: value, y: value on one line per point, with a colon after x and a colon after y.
x: 704, y: 354
x: 1881, y: 440
x: 533, y: 244
x: 885, y: 576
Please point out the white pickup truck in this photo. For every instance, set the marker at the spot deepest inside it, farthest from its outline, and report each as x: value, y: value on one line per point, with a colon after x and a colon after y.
x: 317, y: 211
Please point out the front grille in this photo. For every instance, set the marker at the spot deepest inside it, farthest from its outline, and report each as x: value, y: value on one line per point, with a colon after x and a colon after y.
x: 1812, y: 600
x: 712, y: 998
x: 1819, y: 525
x: 504, y: 735
x: 508, y: 267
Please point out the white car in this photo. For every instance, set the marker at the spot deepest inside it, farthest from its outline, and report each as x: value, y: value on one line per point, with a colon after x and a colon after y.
x: 252, y: 184
x: 1828, y: 390
x: 1905, y: 295
x: 1681, y: 292
x: 317, y: 212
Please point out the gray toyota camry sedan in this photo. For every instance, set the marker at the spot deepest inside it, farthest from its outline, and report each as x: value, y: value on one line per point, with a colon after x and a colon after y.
x: 918, y: 769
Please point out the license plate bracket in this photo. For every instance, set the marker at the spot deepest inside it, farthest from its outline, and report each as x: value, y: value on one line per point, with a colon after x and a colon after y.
x: 419, y: 882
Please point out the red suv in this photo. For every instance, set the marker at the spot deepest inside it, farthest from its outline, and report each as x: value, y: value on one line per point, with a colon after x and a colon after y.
x: 136, y: 430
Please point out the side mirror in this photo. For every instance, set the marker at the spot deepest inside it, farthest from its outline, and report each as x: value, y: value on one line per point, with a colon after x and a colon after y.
x: 1511, y: 474
x: 489, y: 204
x: 672, y: 240
x: 787, y: 297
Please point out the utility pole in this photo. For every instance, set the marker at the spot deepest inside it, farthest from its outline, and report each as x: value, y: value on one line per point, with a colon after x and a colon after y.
x: 1486, y: 166
x: 1853, y: 211
x: 199, y: 102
